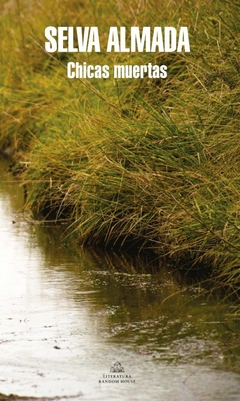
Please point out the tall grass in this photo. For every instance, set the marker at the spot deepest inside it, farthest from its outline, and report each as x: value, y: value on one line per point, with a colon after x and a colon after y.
x: 145, y: 163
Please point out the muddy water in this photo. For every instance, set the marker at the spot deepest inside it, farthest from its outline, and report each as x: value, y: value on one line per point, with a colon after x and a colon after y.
x: 68, y: 316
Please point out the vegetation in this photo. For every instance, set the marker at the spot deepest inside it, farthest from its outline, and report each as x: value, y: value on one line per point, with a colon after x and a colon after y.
x: 152, y: 163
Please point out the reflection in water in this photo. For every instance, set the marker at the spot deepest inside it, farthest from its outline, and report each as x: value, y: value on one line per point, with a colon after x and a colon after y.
x: 67, y: 315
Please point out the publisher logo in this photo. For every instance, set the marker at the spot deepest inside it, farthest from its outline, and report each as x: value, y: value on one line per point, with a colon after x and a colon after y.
x: 116, y: 368
x: 117, y: 376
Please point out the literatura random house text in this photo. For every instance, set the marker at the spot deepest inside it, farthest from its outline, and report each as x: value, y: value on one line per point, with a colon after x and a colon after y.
x: 120, y: 40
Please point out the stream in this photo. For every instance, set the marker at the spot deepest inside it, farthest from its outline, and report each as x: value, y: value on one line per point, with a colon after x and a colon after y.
x: 84, y: 325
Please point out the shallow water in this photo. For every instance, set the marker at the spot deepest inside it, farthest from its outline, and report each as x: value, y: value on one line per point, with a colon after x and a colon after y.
x: 67, y: 316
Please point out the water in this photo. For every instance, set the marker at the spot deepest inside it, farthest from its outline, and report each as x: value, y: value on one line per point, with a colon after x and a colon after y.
x: 67, y: 316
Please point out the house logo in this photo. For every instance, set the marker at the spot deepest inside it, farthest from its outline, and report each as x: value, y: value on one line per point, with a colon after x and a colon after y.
x: 117, y: 368
x: 116, y: 375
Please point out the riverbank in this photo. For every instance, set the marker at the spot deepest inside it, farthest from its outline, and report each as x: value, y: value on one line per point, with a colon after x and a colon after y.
x: 67, y: 314
x: 146, y: 163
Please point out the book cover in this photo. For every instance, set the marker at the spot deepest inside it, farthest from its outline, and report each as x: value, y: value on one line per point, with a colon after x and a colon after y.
x: 119, y: 200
